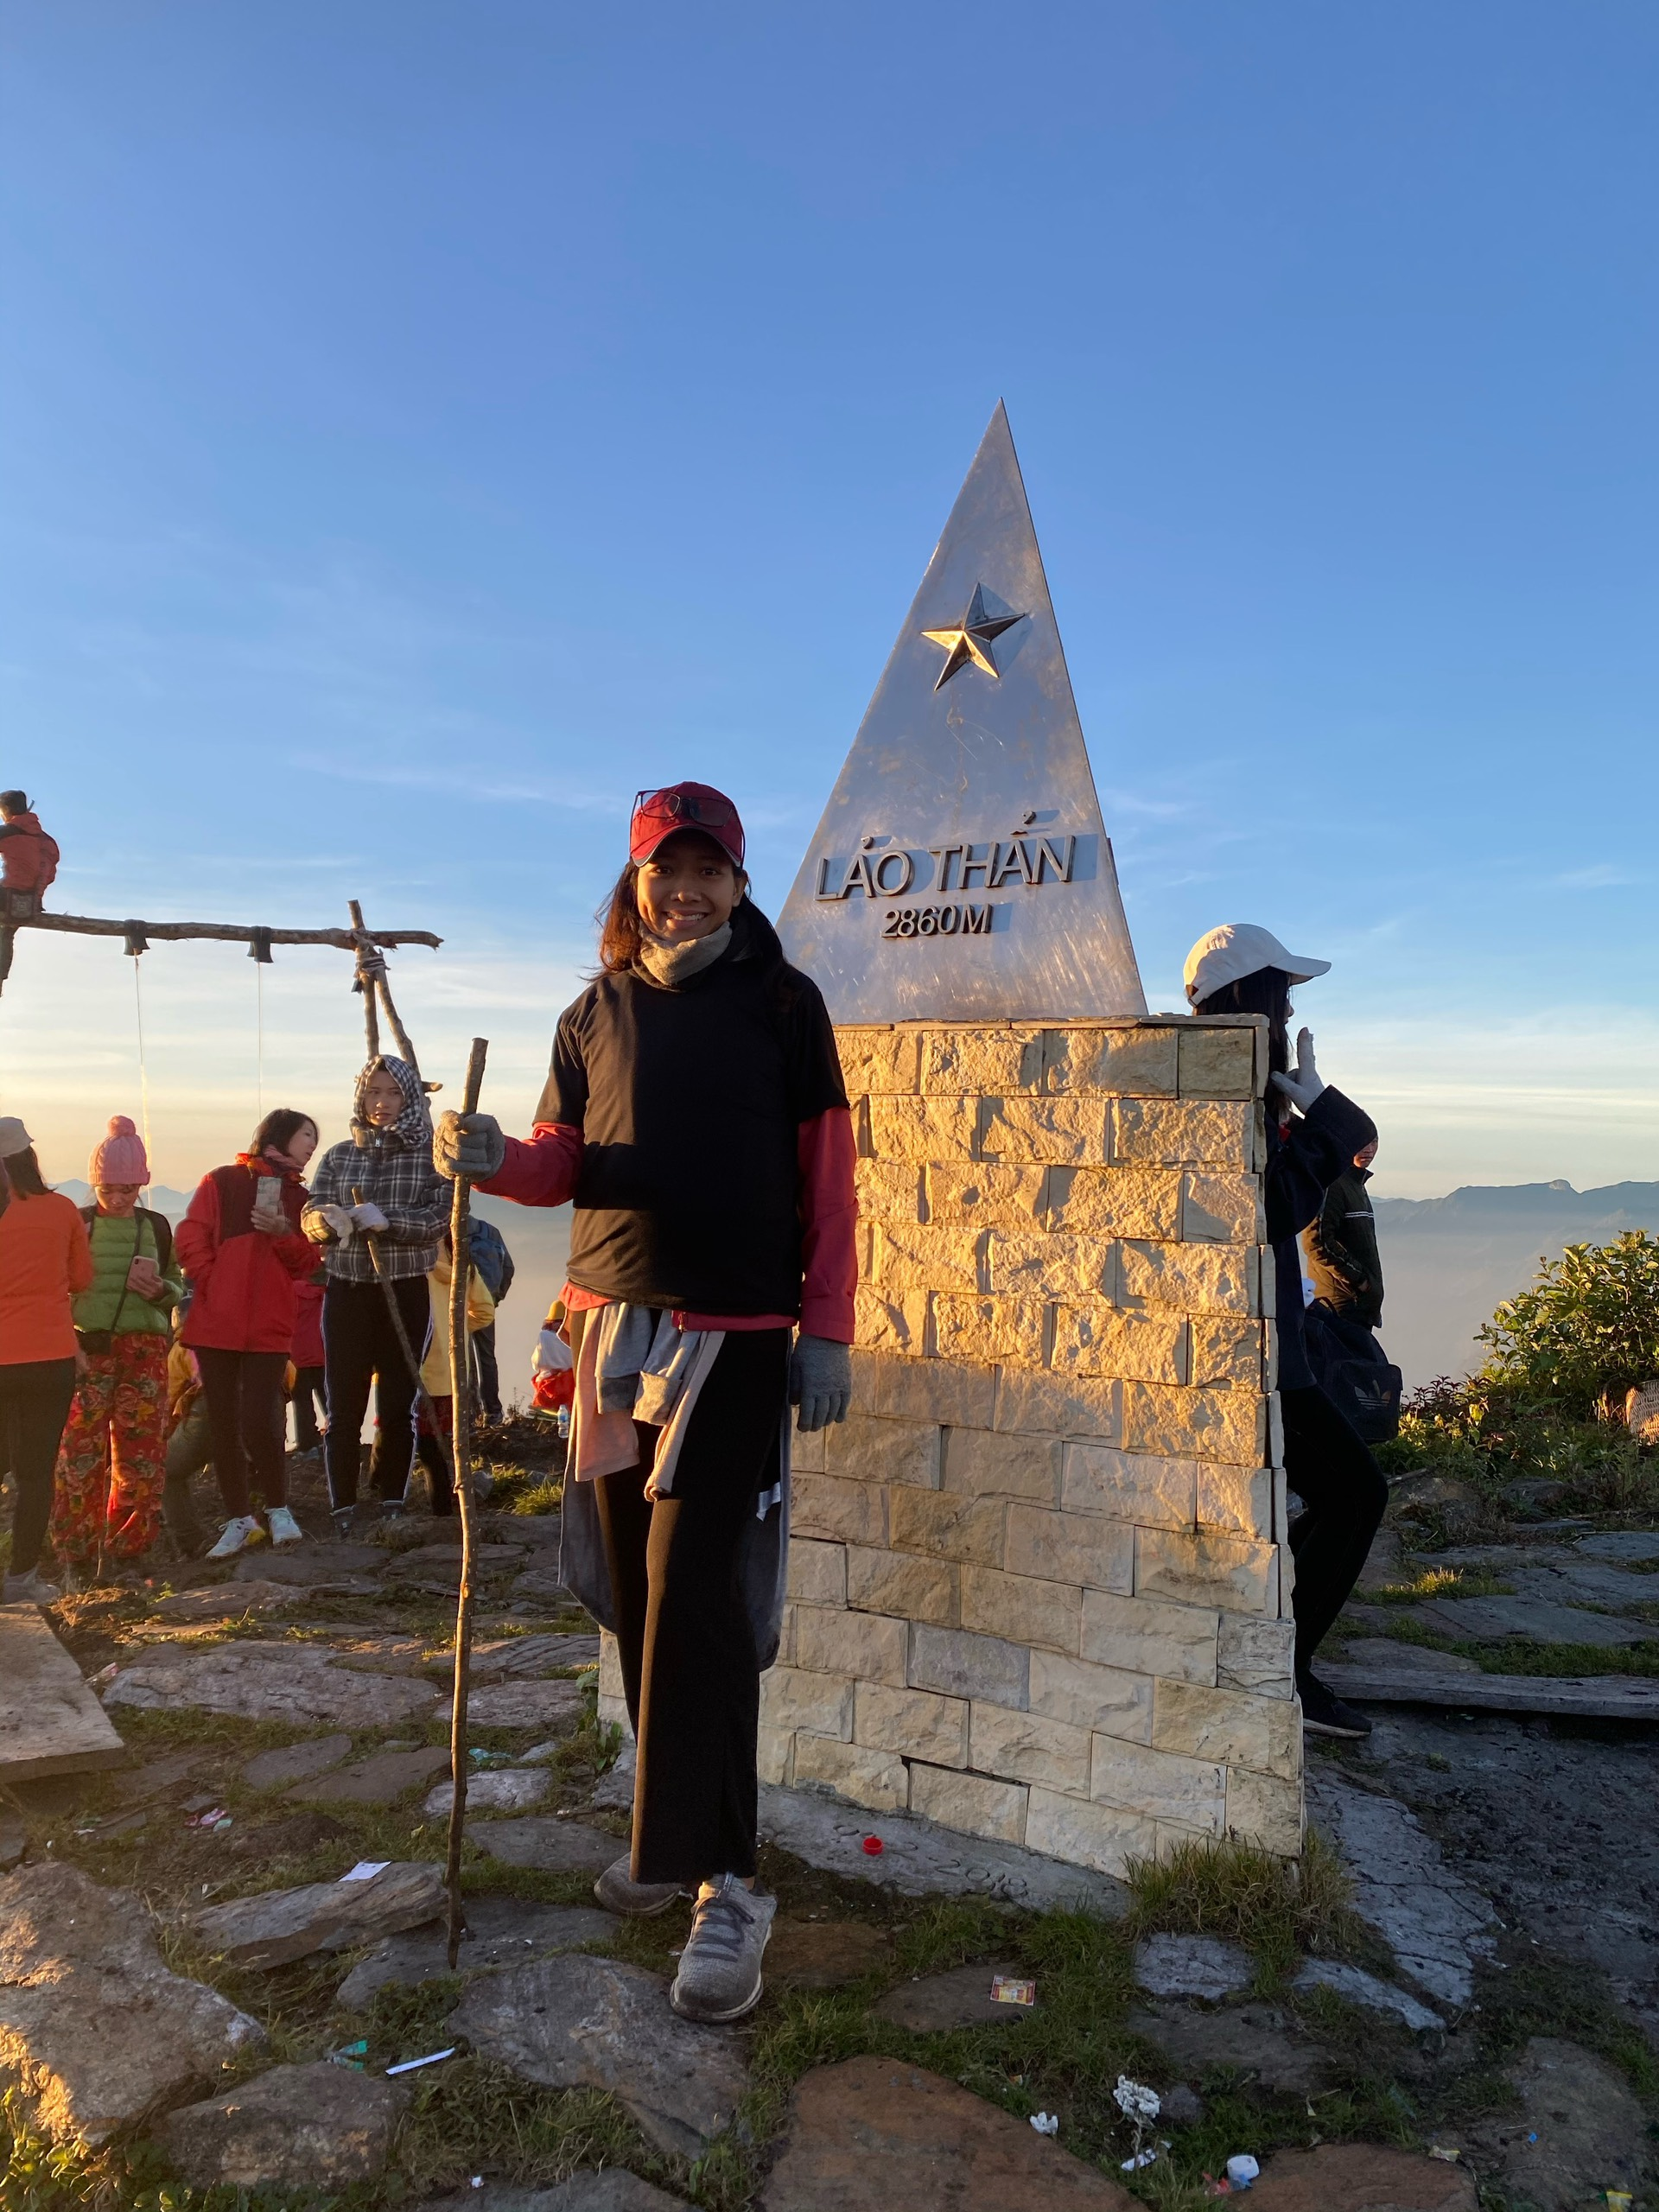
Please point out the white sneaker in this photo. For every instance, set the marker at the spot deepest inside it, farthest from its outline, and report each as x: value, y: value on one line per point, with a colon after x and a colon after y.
x: 285, y: 1529
x: 235, y: 1536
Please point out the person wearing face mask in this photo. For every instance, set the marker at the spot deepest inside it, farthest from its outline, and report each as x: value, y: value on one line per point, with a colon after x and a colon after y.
x: 243, y: 1249
x: 1312, y: 1134
x: 111, y: 1464
x: 405, y: 1206
x: 696, y: 1113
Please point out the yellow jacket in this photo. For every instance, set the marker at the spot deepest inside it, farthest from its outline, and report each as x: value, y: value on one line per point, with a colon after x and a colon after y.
x: 480, y: 1312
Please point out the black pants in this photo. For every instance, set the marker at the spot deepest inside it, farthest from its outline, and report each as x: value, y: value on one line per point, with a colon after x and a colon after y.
x: 249, y: 1424
x: 359, y: 1346
x: 1342, y: 1486
x: 35, y: 1396
x: 305, y: 1397
x: 487, y: 1372
x: 689, y: 1669
x: 430, y: 1449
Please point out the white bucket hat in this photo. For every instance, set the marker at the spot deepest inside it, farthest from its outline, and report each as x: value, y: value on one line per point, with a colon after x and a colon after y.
x: 1226, y: 955
x: 14, y: 1137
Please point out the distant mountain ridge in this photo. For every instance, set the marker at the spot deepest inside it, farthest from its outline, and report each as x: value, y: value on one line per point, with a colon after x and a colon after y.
x: 1487, y: 1206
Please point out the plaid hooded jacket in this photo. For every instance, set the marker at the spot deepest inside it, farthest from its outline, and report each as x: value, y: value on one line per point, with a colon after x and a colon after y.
x: 393, y: 1169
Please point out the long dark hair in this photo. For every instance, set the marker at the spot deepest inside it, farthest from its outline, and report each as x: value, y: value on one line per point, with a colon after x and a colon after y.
x: 1267, y: 991
x: 620, y: 933
x: 23, y: 1173
x: 278, y: 1129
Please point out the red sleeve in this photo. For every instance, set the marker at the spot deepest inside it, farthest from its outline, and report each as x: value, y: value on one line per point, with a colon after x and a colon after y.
x: 542, y: 1171
x: 195, y: 1243
x: 826, y: 1151
x: 297, y: 1253
x: 80, y: 1256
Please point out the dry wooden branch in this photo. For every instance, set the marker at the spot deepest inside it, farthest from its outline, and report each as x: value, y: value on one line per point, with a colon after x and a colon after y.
x: 227, y: 932
x: 461, y: 1454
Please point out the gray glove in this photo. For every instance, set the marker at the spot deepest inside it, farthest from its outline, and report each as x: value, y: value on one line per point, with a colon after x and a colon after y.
x: 468, y: 1144
x: 820, y: 1381
x: 1304, y: 1086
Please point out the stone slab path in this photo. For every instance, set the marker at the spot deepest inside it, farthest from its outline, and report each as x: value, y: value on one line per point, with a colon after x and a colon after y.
x: 553, y: 1846
x: 1538, y: 1620
x: 1437, y: 1922
x: 314, y: 2127
x: 1461, y: 1686
x: 1192, y: 1966
x: 919, y: 1858
x: 497, y: 1789
x: 873, y: 2132
x: 79, y: 1969
x: 585, y: 2023
x: 380, y: 1779
x: 500, y: 1932
x: 50, y: 1722
x: 296, y: 1683
x: 275, y: 1927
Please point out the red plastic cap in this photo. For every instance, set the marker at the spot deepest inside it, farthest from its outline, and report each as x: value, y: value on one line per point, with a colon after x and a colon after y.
x: 874, y: 1845
x: 658, y: 815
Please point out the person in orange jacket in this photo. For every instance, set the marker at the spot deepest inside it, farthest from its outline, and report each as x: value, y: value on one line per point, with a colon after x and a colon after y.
x: 45, y: 1263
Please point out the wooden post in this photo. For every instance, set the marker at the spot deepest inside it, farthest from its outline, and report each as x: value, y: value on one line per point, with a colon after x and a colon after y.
x: 366, y: 949
x: 461, y: 1454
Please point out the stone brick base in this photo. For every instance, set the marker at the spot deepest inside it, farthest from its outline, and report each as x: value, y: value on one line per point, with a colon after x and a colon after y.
x: 1039, y: 1586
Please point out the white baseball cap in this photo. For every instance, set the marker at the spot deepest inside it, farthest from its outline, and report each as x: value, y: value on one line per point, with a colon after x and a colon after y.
x: 1226, y: 955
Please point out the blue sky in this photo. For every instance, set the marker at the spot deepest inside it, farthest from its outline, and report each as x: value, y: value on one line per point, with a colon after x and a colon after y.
x: 420, y: 425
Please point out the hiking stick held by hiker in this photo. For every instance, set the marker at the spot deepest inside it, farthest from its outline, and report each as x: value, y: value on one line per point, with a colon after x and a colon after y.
x: 460, y: 1450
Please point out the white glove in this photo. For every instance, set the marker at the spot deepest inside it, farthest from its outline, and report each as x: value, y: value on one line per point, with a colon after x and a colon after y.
x: 368, y: 1215
x: 1304, y: 1085
x: 340, y: 1225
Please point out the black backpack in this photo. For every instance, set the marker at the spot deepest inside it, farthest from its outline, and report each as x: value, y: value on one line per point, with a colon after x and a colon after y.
x: 1354, y: 1372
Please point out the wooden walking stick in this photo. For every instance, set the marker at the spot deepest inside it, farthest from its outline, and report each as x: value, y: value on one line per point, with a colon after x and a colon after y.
x: 461, y: 1454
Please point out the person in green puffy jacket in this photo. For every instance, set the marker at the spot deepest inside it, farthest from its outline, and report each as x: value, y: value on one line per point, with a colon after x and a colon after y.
x: 112, y: 1463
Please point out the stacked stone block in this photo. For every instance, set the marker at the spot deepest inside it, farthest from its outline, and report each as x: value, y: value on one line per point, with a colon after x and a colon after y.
x: 1038, y: 1588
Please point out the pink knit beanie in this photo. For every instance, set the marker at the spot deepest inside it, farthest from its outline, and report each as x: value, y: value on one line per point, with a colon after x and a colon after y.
x: 120, y: 1157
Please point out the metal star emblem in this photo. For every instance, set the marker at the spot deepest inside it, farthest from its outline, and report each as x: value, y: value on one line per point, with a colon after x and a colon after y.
x: 970, y: 640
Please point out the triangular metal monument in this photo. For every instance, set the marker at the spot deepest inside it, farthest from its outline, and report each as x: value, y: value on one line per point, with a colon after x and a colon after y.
x: 962, y: 871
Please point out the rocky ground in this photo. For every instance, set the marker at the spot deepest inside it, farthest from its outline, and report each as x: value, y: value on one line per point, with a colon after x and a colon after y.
x: 212, y: 1959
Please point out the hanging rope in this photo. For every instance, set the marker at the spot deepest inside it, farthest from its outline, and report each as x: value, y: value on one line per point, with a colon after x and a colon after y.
x: 143, y: 1072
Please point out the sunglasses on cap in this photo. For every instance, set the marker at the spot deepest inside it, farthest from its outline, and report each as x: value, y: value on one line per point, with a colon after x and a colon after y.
x: 710, y: 813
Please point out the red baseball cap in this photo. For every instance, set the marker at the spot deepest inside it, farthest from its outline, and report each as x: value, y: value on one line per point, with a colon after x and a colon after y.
x: 658, y: 815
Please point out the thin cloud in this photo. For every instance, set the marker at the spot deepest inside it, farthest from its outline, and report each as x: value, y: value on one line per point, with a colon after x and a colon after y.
x: 1605, y: 875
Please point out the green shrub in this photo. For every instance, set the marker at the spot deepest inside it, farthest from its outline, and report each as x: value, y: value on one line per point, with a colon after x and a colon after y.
x: 1586, y: 1330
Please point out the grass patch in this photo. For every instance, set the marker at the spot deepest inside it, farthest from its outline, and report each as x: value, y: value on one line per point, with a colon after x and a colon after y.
x: 1277, y: 1910
x: 1441, y: 1582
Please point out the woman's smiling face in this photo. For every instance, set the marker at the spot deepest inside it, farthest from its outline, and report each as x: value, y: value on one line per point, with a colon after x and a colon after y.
x: 687, y: 888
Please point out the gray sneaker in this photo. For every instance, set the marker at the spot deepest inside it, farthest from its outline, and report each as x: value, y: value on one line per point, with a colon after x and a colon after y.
x: 720, y: 1968
x: 634, y: 1900
x: 30, y: 1589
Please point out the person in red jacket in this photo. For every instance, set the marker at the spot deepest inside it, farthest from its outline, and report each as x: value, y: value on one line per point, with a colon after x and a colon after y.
x: 241, y: 1246
x: 696, y: 1113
